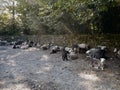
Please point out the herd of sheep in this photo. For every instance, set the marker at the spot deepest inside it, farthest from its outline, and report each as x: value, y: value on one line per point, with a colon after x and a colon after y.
x: 98, y: 54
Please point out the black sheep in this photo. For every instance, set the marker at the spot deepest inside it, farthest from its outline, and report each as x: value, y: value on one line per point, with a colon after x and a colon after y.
x: 64, y: 54
x: 96, y: 53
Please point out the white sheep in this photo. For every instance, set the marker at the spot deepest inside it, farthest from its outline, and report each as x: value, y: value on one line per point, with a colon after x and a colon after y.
x: 99, y: 63
x: 117, y: 52
x: 83, y: 47
x: 24, y: 47
x: 44, y: 47
x: 72, y: 55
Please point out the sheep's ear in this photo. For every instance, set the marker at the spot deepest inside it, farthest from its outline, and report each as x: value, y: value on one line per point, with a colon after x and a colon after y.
x: 102, y: 59
x: 115, y: 50
x: 87, y: 52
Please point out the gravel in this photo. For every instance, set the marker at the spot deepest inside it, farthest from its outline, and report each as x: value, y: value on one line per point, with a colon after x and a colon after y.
x: 35, y: 69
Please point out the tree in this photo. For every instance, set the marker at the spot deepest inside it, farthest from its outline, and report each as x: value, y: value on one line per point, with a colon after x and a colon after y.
x: 73, y: 13
x: 63, y: 16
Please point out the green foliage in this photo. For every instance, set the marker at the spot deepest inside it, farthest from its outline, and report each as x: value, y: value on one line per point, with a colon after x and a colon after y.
x: 61, y: 16
x: 90, y: 12
x: 10, y: 29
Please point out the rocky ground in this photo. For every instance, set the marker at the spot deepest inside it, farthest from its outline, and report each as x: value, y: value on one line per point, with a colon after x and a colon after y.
x: 34, y: 69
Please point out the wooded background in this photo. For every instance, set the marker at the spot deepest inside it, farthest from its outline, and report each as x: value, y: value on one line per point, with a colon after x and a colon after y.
x: 84, y: 20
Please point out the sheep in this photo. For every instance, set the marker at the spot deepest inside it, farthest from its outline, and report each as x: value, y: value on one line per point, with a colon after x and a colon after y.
x: 75, y: 48
x: 68, y: 49
x: 19, y: 42
x: 65, y: 52
x: 55, y: 49
x: 102, y: 47
x: 31, y: 43
x: 60, y: 48
x: 96, y: 53
x: 83, y: 47
x: 24, y: 43
x: 38, y: 45
x: 72, y: 55
x: 24, y: 47
x: 98, y: 57
x: 16, y: 46
x: 98, y: 63
x: 44, y: 47
x: 12, y: 43
x: 117, y: 52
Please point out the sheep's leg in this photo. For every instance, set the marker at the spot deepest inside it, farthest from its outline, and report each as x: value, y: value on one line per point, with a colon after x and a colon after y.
x: 63, y: 58
x: 92, y: 63
x: 101, y: 66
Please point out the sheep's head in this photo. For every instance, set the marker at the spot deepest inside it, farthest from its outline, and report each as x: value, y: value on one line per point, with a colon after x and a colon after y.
x: 88, y: 51
x: 115, y: 50
x: 102, y: 60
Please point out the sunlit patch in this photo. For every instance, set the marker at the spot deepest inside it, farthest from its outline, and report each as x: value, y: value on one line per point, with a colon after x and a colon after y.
x: 2, y: 59
x: 17, y: 87
x: 12, y: 63
x: 2, y: 82
x: 3, y: 51
x: 19, y: 77
x: 92, y: 77
x: 88, y: 85
x: 43, y: 70
x: 39, y: 72
x: 32, y: 49
x: 44, y: 57
x: 14, y: 55
x: 46, y: 68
